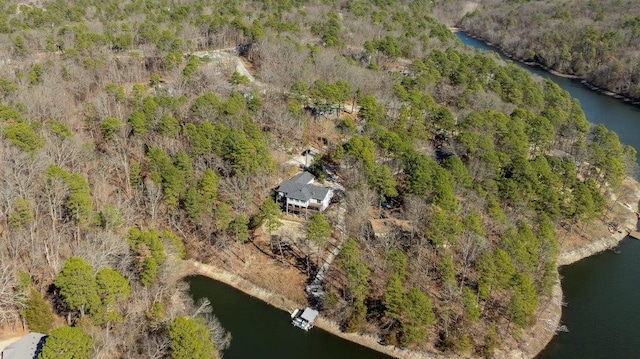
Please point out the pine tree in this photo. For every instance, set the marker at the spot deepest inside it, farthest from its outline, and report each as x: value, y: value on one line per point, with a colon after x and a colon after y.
x: 149, y: 271
x: 471, y: 307
x: 318, y: 230
x: 190, y: 339
x: 397, y: 262
x: 21, y: 214
x: 67, y: 342
x: 78, y: 286
x: 239, y: 228
x: 38, y: 314
x: 113, y: 288
x: 524, y: 302
x: 357, y: 283
x: 419, y: 315
x: 505, y: 269
x: 270, y: 215
x: 394, y: 300
x: 488, y: 275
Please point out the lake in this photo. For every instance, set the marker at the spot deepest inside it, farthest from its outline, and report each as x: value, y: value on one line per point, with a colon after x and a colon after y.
x: 261, y: 331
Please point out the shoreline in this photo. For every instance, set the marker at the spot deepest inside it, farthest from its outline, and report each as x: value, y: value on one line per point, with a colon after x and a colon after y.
x: 538, y: 336
x: 627, y: 218
x: 593, y: 248
x: 192, y: 267
x: 534, y: 339
x: 631, y: 100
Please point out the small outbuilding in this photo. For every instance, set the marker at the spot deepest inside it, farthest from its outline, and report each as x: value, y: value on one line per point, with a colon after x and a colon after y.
x: 27, y: 347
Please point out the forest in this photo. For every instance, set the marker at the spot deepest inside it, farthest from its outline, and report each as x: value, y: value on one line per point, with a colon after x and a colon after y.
x: 593, y: 40
x: 132, y: 141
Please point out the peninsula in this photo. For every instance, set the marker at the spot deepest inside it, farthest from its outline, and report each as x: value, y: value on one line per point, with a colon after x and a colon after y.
x: 352, y: 157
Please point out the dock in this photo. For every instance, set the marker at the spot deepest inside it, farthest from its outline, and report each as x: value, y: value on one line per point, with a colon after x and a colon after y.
x: 304, y: 319
x: 634, y: 234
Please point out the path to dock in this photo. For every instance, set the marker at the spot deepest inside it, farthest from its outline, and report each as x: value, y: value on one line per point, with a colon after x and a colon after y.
x: 315, y: 289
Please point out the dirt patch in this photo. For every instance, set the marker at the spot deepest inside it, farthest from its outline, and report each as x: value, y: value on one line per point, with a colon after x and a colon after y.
x: 10, y: 334
x: 258, y: 264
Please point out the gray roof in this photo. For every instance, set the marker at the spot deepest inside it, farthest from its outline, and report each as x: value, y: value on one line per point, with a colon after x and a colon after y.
x: 299, y: 188
x: 309, y: 315
x: 303, y: 177
x: 28, y: 347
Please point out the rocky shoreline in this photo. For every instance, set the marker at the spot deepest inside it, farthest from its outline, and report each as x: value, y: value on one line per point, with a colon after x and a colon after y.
x: 625, y: 212
x: 600, y: 245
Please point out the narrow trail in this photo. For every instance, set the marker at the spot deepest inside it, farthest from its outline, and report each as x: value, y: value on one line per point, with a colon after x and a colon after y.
x: 315, y: 289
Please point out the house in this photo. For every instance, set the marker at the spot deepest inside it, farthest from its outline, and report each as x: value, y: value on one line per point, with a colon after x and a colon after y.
x: 300, y: 192
x: 304, y: 319
x: 28, y: 347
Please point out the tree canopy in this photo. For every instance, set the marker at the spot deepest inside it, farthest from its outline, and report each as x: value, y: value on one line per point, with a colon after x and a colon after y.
x: 67, y: 342
x: 190, y: 339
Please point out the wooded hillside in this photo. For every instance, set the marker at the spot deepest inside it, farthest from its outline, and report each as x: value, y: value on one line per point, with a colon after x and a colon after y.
x: 133, y: 138
x: 594, y: 40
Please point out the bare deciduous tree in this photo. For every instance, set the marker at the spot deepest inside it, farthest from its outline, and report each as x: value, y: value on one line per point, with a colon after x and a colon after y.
x: 10, y: 300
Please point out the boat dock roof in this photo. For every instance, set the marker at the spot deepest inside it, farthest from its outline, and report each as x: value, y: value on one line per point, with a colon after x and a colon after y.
x: 309, y: 315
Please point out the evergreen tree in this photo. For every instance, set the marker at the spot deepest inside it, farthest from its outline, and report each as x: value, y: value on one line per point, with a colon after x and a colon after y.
x: 357, y: 274
x: 38, y: 314
x: 24, y: 137
x: 78, y: 286
x: 394, y: 300
x: 470, y: 303
x: 505, y: 269
x: 419, y: 317
x: 67, y: 342
x: 113, y: 288
x: 488, y: 275
x: 239, y: 228
x: 397, y: 262
x: 149, y: 271
x: 318, y: 230
x: 109, y: 127
x: 190, y: 339
x: 524, y: 302
x: 448, y: 272
x: 270, y: 215
x: 21, y: 214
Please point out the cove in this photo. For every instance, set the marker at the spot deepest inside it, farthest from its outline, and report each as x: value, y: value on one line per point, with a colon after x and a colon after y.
x: 261, y: 331
x: 602, y: 291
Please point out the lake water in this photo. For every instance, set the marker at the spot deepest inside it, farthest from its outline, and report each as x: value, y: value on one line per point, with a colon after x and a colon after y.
x: 602, y: 292
x: 260, y: 331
